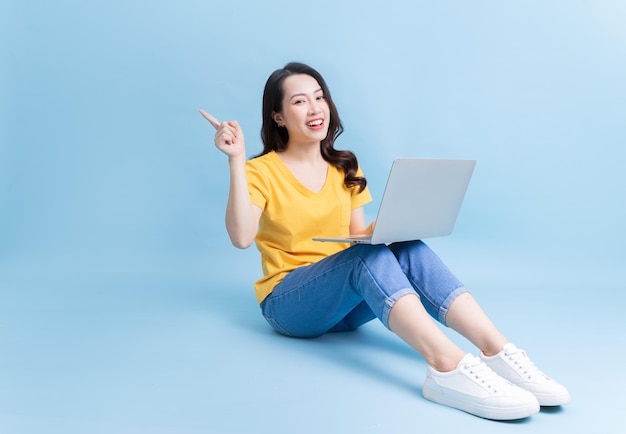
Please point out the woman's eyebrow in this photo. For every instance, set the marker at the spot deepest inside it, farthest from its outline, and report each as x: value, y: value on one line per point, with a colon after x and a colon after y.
x: 303, y: 94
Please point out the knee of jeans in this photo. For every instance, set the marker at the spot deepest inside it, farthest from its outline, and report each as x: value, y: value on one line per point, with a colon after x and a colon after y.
x: 410, y: 248
x: 376, y: 252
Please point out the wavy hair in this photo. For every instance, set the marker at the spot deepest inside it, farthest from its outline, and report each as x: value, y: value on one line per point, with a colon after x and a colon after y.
x: 275, y: 138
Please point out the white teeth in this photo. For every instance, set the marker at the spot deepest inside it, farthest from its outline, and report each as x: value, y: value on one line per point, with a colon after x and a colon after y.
x: 315, y: 123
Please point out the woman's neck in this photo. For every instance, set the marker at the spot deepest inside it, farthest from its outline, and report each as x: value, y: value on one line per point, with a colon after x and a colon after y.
x: 302, y: 153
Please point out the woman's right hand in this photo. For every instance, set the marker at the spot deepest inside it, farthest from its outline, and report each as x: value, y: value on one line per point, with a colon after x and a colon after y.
x: 229, y: 136
x: 242, y: 218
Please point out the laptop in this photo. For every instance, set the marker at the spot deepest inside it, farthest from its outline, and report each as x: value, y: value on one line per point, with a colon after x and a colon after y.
x: 422, y: 199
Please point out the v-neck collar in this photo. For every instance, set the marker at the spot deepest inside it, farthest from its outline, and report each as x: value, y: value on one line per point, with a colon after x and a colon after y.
x: 295, y: 181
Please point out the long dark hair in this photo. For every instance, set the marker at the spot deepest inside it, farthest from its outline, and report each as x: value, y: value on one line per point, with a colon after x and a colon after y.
x: 276, y: 138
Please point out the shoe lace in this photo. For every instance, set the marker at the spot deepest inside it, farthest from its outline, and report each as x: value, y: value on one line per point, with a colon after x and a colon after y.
x: 483, y: 374
x: 522, y: 363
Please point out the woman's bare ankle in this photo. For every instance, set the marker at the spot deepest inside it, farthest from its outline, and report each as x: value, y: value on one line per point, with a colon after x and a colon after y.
x: 445, y: 362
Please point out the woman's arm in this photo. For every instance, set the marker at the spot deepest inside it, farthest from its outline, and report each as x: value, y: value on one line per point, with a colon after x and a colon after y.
x: 357, y: 223
x: 242, y: 218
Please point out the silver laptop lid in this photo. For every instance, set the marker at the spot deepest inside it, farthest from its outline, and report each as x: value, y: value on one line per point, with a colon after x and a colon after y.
x: 422, y: 198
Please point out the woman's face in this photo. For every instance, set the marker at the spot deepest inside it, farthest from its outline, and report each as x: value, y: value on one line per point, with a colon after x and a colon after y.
x: 305, y: 112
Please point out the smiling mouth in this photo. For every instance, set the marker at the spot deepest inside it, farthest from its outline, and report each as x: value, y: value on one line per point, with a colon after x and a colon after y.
x: 315, y: 123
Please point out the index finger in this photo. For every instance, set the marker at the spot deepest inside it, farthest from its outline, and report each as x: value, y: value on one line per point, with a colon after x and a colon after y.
x: 210, y: 118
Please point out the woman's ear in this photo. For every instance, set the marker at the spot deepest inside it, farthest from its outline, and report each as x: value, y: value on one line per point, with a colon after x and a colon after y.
x: 278, y: 119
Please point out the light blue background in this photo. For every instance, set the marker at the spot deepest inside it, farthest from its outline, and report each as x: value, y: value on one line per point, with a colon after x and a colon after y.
x: 123, y: 307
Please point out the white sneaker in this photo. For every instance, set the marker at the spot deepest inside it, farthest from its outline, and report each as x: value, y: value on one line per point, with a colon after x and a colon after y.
x: 514, y: 365
x: 476, y: 389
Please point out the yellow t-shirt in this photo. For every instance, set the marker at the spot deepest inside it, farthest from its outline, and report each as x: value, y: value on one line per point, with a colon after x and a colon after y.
x: 293, y: 215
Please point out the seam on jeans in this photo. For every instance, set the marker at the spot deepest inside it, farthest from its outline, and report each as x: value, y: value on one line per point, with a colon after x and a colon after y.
x: 278, y: 327
x: 369, y: 272
x: 267, y: 313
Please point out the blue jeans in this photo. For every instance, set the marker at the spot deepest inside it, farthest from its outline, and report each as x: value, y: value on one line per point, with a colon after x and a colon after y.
x: 348, y: 289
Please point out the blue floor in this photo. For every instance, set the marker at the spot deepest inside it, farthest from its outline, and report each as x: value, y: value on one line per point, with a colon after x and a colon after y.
x: 186, y: 351
x: 124, y: 308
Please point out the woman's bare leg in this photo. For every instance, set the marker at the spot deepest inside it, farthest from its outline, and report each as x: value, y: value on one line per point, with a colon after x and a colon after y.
x: 467, y: 317
x: 410, y: 321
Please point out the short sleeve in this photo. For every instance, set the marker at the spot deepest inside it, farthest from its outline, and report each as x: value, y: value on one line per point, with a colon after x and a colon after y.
x: 257, y: 185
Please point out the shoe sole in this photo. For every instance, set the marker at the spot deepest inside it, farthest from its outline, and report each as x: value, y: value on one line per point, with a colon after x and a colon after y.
x: 552, y: 400
x: 546, y: 399
x: 484, y: 411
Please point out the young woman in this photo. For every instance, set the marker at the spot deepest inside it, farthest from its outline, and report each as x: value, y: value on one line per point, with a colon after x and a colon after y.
x: 299, y: 187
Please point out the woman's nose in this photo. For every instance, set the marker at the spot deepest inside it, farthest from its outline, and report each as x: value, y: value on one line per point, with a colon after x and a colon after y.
x: 315, y: 107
